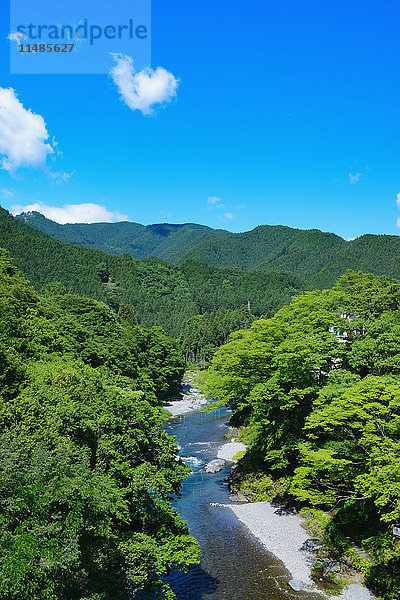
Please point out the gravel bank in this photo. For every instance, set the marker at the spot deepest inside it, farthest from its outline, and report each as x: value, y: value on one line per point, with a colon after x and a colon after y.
x: 355, y: 591
x: 228, y: 450
x: 281, y: 533
x: 193, y: 399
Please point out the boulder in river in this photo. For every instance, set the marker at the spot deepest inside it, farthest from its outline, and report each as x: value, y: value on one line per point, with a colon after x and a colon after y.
x: 214, y: 466
x: 296, y: 585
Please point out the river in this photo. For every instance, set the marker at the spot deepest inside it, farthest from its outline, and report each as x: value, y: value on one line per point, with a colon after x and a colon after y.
x: 234, y: 565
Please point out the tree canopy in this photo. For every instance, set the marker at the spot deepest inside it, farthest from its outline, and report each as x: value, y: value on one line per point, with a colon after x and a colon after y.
x: 316, y: 388
x: 87, y: 474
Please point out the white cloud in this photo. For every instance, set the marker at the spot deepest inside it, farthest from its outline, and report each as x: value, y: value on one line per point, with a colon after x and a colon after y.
x: 214, y: 202
x: 354, y: 177
x: 16, y: 36
x: 56, y: 149
x: 143, y: 90
x: 23, y: 134
x: 228, y: 216
x: 73, y: 213
x: 59, y: 177
x: 8, y: 193
x: 398, y: 206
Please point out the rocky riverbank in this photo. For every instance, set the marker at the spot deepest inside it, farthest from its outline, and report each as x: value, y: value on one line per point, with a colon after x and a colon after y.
x: 229, y: 450
x: 279, y: 530
x: 282, y: 534
x: 191, y: 399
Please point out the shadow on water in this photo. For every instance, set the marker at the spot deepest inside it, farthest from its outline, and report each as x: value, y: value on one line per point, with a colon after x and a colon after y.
x: 234, y: 565
x: 194, y: 585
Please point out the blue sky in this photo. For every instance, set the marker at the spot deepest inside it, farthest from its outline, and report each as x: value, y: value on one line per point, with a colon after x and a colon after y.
x: 286, y: 111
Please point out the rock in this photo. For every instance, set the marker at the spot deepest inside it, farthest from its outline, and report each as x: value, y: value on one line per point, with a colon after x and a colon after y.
x: 214, y: 466
x: 237, y: 497
x: 296, y: 585
x: 228, y: 450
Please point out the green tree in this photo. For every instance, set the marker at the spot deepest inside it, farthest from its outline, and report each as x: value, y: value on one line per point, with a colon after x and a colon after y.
x: 353, y: 452
x: 87, y: 474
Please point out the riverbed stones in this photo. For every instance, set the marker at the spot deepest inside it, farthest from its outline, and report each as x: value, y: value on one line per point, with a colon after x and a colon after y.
x: 214, y: 465
x: 230, y: 449
x: 237, y: 497
x: 296, y: 585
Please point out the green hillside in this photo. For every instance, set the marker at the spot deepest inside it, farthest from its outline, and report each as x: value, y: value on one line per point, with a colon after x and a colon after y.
x: 87, y: 473
x: 160, y: 293
x: 227, y: 287
x: 317, y: 256
x: 272, y: 248
x: 315, y: 391
x: 164, y: 240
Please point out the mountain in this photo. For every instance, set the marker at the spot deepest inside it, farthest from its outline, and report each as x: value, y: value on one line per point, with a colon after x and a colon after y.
x: 159, y: 292
x: 272, y: 248
x: 319, y: 257
x: 163, y: 240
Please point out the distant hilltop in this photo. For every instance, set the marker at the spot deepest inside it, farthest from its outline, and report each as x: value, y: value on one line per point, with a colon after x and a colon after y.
x: 313, y: 254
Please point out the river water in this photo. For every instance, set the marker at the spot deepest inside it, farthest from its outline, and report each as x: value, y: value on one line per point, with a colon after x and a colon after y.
x: 234, y: 565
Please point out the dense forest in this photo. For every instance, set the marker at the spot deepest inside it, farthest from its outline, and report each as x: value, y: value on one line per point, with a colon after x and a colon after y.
x: 203, y: 334
x: 87, y: 474
x: 317, y: 256
x: 166, y: 241
x: 160, y: 293
x: 316, y: 390
x: 312, y: 378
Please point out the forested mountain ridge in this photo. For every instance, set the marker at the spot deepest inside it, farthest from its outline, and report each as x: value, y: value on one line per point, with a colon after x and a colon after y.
x: 160, y: 293
x: 318, y: 256
x: 162, y: 240
x: 294, y: 250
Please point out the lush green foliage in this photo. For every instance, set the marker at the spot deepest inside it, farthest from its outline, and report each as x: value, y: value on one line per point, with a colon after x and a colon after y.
x: 160, y: 294
x: 115, y: 344
x: 230, y: 288
x: 316, y: 388
x: 203, y: 334
x: 164, y: 240
x: 87, y: 474
x: 315, y: 255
